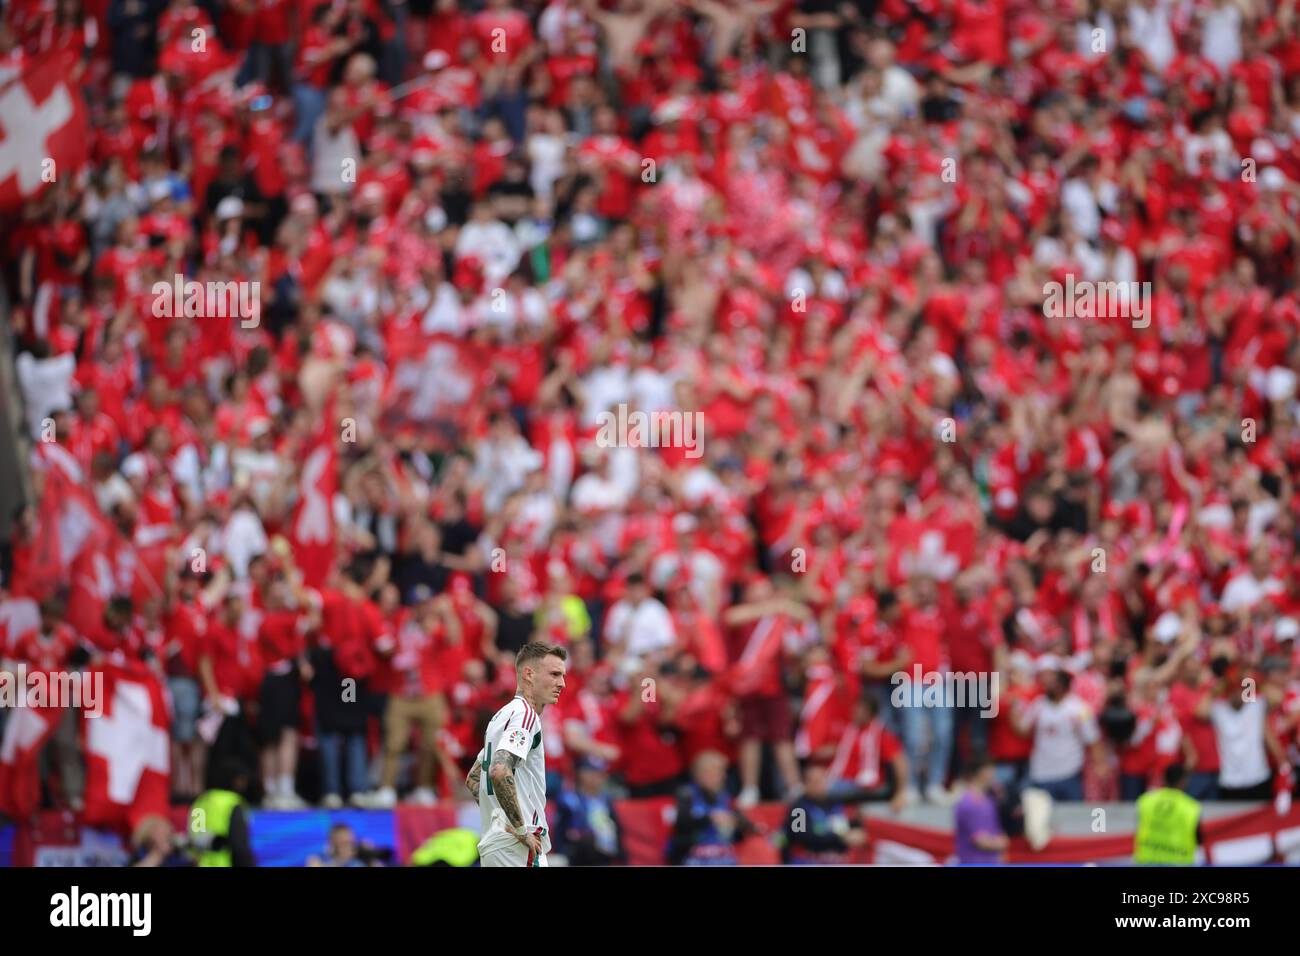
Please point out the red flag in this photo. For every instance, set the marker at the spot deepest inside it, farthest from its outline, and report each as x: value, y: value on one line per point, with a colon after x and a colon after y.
x: 128, y: 748
x: 43, y: 130
x: 933, y: 546
x: 313, y: 517
x: 68, y: 525
x: 26, y: 732
x: 94, y: 583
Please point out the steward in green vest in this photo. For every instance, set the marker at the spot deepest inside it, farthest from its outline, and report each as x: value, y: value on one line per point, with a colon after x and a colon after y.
x: 218, y: 824
x: 1168, y: 823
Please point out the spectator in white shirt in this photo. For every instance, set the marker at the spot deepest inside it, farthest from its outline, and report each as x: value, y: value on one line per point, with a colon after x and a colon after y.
x: 334, y: 143
x: 502, y: 461
x: 46, y: 383
x: 697, y: 567
x: 1064, y: 731
x: 1221, y: 35
x: 243, y: 537
x: 491, y: 241
x: 1253, y: 585
x: 1243, y: 738
x: 1148, y: 22
x: 638, y: 626
x: 599, y: 495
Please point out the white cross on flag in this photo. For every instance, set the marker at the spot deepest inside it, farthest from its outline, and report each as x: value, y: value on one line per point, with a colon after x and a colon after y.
x: 931, y: 546
x: 44, y: 136
x: 128, y: 749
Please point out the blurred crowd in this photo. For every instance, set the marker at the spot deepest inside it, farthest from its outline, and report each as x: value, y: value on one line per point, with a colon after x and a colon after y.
x: 829, y: 230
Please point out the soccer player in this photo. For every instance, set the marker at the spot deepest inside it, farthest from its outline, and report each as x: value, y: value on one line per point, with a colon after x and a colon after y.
x: 513, y: 798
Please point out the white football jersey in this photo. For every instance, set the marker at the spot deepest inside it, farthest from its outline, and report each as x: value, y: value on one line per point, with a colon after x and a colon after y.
x: 516, y: 728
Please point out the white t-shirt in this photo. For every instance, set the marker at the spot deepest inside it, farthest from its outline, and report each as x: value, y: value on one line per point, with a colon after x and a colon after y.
x: 1246, y: 590
x: 1152, y: 32
x: 1221, y: 36
x: 493, y: 243
x: 517, y: 729
x: 1062, y: 731
x: 46, y: 386
x: 1240, y: 736
x: 640, y: 630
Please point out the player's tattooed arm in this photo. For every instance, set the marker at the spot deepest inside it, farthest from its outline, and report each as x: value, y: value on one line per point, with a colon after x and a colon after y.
x: 502, y: 772
x: 471, y: 781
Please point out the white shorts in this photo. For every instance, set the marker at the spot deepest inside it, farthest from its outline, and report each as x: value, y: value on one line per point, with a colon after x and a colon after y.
x: 516, y: 855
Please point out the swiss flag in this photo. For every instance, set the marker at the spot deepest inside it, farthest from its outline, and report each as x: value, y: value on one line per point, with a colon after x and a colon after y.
x: 128, y: 748
x: 26, y: 732
x: 313, y: 517
x: 929, y: 546
x: 94, y: 584
x: 42, y: 117
x: 68, y: 526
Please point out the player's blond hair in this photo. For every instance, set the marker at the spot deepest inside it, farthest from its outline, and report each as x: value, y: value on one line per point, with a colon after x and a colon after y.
x: 534, y: 651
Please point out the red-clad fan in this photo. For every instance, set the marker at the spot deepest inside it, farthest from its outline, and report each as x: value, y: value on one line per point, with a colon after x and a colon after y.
x: 868, y: 761
x: 48, y: 647
x: 761, y: 630
x: 650, y: 761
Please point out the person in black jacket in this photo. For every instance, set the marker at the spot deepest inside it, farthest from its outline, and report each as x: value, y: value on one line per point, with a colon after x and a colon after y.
x: 817, y: 829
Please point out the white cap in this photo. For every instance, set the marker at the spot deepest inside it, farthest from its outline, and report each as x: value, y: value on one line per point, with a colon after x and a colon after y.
x: 1167, y: 627
x: 1287, y: 629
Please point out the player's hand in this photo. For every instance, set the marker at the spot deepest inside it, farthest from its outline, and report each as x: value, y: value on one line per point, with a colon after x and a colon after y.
x: 532, y: 841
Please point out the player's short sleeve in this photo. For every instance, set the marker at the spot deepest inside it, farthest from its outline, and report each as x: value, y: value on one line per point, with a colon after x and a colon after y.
x: 515, y: 737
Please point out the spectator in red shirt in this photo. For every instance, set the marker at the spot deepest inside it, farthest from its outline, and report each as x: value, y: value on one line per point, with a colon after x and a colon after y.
x: 418, y: 696
x: 927, y: 723
x: 186, y: 626
x: 651, y: 763
x: 972, y: 635
x: 283, y: 643
x: 222, y: 666
x: 869, y: 763
x: 760, y: 629
x: 1187, y: 695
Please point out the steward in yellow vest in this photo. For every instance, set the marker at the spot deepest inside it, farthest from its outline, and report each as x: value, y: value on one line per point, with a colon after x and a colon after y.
x: 218, y: 824
x: 1168, y: 823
